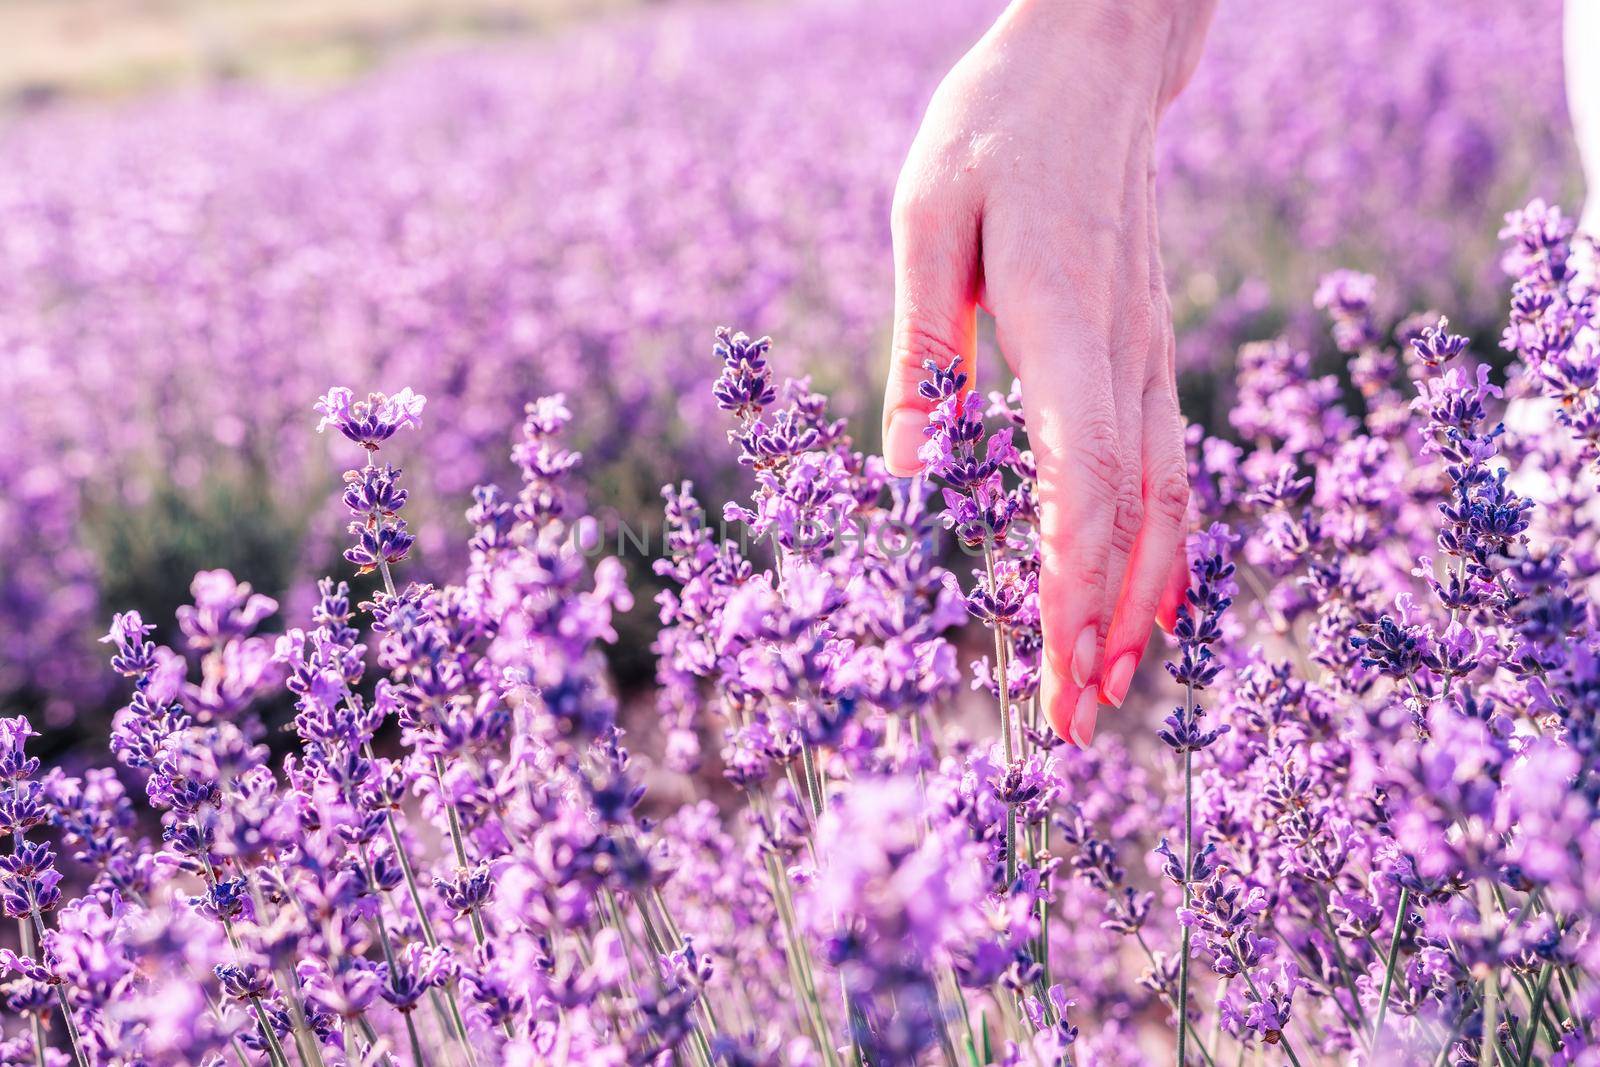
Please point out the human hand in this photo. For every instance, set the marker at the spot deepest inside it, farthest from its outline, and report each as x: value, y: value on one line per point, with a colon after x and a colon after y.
x: 1029, y: 190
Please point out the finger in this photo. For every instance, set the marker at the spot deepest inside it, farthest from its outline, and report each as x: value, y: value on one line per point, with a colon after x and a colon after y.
x: 1178, y: 580
x: 1133, y: 341
x: 1165, y: 495
x: 1172, y: 596
x: 935, y: 308
x: 1089, y: 511
x: 1070, y: 296
x: 1072, y: 427
x: 1164, y: 491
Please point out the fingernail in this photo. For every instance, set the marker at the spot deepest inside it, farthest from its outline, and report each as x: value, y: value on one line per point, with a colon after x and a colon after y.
x: 1049, y: 691
x: 1115, y: 689
x: 1083, y: 656
x: 1083, y: 719
x: 903, y: 440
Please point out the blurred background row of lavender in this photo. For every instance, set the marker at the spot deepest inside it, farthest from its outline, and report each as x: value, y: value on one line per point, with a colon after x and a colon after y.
x: 512, y: 201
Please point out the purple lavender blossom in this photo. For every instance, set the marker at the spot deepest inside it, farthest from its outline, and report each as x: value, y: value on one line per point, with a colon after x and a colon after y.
x: 372, y: 421
x: 429, y: 826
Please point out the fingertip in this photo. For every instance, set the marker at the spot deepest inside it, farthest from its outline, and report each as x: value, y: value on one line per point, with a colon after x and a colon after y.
x: 1114, y: 688
x: 1072, y: 710
x: 1085, y: 715
x: 1058, y: 702
x: 903, y: 437
x: 1172, y: 596
x: 1083, y: 653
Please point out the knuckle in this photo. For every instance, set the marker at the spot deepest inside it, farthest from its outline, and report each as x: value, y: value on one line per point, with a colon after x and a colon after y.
x: 1096, y: 234
x: 1160, y: 388
x: 1159, y: 300
x: 916, y: 342
x: 1126, y: 522
x: 923, y: 197
x: 1156, y: 389
x: 909, y: 206
x: 1082, y: 568
x: 1096, y: 452
x: 1133, y: 335
x: 1167, y: 493
x: 1027, y: 242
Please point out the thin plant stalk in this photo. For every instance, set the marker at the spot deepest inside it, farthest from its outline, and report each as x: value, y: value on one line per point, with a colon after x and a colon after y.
x: 29, y: 949
x: 808, y: 770
x: 274, y: 1048
x: 459, y: 841
x: 1488, y: 1046
x: 808, y: 986
x: 301, y: 1028
x: 1536, y: 1014
x: 1450, y: 1038
x: 1188, y: 868
x: 1166, y: 995
x: 677, y: 942
x: 30, y: 945
x: 1005, y: 720
x: 456, y: 1022
x: 1283, y: 1038
x: 1342, y: 961
x: 388, y: 579
x: 1389, y: 969
x: 72, y: 1027
x: 416, y: 1044
x: 406, y: 870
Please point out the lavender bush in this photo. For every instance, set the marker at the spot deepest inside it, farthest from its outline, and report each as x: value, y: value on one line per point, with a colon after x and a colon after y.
x: 1366, y: 832
x: 177, y: 275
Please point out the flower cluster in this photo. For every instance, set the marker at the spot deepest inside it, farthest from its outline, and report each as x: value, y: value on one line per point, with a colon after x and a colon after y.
x: 372, y: 494
x: 426, y: 828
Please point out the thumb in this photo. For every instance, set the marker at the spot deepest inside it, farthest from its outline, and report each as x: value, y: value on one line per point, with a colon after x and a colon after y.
x: 935, y: 311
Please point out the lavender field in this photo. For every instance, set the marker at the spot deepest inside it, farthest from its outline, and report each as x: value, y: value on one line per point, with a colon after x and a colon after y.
x: 388, y: 768
x: 177, y: 275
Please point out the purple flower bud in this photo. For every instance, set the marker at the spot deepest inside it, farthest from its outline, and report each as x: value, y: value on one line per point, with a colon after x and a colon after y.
x: 372, y: 421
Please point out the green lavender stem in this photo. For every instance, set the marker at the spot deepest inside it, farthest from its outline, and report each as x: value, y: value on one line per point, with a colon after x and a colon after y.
x: 274, y: 1049
x: 1345, y: 971
x: 305, y: 1042
x: 285, y: 983
x: 72, y: 1027
x: 1188, y: 867
x: 1166, y: 995
x: 388, y: 579
x: 416, y: 1044
x: 1536, y: 1014
x: 37, y: 1019
x: 808, y: 768
x: 29, y: 949
x: 406, y: 870
x: 455, y: 1023
x: 1487, y: 1048
x: 677, y: 942
x: 1450, y: 1038
x: 808, y: 988
x: 458, y: 839
x: 1005, y: 722
x: 1389, y: 969
x: 30, y: 946
x: 1283, y: 1038
x: 1044, y: 916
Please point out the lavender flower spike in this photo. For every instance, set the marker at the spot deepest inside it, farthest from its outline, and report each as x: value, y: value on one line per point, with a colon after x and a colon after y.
x: 372, y: 421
